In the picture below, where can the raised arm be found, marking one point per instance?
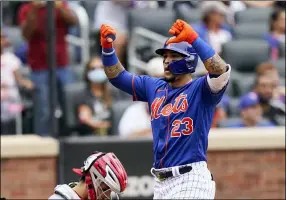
(28, 21)
(110, 60)
(116, 73)
(114, 70)
(218, 70)
(215, 65)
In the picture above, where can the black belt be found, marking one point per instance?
(164, 175)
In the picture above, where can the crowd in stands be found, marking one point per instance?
(89, 105)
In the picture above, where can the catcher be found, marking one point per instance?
(102, 177)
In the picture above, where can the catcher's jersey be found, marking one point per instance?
(180, 117)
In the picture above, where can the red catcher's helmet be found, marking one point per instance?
(103, 168)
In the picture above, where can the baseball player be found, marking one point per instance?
(181, 109)
(102, 177)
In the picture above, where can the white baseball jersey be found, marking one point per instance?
(64, 192)
(196, 184)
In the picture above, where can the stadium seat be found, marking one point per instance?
(191, 16)
(72, 54)
(117, 94)
(250, 30)
(242, 82)
(282, 49)
(158, 21)
(26, 95)
(78, 71)
(73, 95)
(90, 7)
(253, 15)
(25, 71)
(233, 110)
(281, 66)
(234, 120)
(245, 55)
(14, 36)
(282, 81)
(141, 48)
(232, 88)
(118, 109)
(229, 121)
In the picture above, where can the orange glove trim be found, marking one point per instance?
(182, 32)
(105, 31)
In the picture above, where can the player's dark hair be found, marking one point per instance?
(82, 179)
(273, 17)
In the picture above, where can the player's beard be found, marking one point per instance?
(170, 79)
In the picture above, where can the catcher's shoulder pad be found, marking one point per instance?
(66, 192)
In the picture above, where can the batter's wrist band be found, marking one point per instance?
(109, 57)
(203, 49)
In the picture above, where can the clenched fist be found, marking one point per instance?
(182, 32)
(108, 35)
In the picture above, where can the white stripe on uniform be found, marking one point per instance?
(196, 184)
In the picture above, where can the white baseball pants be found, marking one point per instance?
(196, 184)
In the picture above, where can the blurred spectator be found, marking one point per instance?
(232, 8)
(271, 71)
(178, 4)
(250, 112)
(259, 4)
(276, 33)
(115, 13)
(266, 68)
(136, 119)
(94, 112)
(273, 109)
(75, 51)
(154, 67)
(33, 17)
(236, 6)
(213, 28)
(11, 105)
(21, 52)
(187, 4)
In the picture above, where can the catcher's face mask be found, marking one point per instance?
(105, 192)
(103, 174)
